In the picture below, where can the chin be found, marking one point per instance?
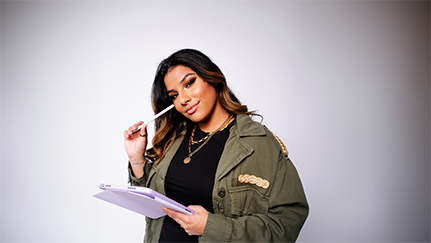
(196, 118)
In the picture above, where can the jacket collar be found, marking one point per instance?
(247, 127)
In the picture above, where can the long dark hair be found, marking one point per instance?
(173, 124)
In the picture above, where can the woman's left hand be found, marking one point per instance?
(193, 224)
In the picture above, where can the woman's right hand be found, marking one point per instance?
(136, 143)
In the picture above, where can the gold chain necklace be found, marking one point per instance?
(201, 140)
(206, 138)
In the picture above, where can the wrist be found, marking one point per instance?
(137, 161)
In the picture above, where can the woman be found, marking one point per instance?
(208, 153)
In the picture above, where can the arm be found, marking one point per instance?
(135, 144)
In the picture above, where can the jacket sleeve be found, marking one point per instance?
(288, 209)
(138, 181)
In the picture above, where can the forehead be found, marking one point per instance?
(177, 74)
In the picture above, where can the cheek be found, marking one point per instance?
(205, 91)
(197, 92)
(178, 107)
(210, 94)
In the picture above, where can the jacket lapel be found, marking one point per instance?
(236, 149)
(162, 167)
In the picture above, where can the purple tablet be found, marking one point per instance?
(141, 200)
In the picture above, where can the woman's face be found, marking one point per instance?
(193, 97)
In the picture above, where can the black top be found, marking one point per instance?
(192, 183)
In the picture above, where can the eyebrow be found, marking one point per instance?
(182, 80)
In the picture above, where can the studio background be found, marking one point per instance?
(344, 84)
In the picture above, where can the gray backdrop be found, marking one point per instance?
(345, 85)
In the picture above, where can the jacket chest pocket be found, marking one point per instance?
(247, 201)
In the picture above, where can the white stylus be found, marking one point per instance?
(155, 117)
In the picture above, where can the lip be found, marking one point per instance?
(192, 109)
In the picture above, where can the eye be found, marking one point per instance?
(190, 83)
(174, 96)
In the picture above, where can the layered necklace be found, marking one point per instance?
(205, 139)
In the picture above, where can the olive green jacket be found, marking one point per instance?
(257, 194)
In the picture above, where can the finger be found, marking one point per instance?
(137, 129)
(143, 131)
(128, 133)
(142, 135)
(132, 129)
(173, 214)
(178, 222)
(195, 207)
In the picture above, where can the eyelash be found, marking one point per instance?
(188, 84)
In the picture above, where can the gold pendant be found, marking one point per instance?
(187, 160)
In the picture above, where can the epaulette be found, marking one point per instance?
(281, 144)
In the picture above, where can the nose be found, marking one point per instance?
(184, 98)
